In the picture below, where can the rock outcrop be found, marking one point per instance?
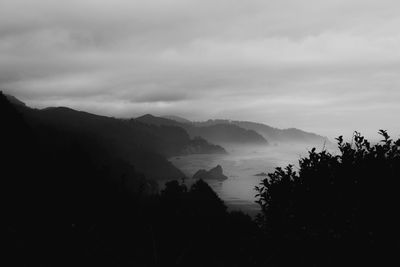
(215, 173)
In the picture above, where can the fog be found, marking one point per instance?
(241, 165)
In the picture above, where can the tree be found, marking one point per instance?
(336, 209)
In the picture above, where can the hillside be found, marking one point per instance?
(227, 133)
(283, 135)
(290, 135)
(143, 145)
(56, 169)
(177, 118)
(194, 144)
(220, 133)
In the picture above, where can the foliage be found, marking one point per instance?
(335, 208)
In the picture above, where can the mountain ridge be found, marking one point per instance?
(270, 133)
(145, 146)
(218, 134)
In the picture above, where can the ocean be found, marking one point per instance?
(241, 165)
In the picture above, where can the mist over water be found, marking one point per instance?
(241, 165)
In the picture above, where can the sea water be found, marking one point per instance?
(241, 165)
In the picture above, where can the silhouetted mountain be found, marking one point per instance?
(54, 171)
(159, 121)
(14, 100)
(222, 133)
(145, 146)
(290, 135)
(196, 145)
(199, 145)
(49, 173)
(227, 133)
(177, 118)
(283, 135)
(270, 133)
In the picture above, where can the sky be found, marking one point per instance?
(327, 66)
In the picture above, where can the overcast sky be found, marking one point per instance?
(328, 66)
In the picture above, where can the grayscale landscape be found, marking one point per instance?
(200, 132)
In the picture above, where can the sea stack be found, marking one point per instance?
(215, 173)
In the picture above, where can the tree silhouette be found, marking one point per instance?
(337, 209)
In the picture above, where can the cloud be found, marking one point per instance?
(318, 65)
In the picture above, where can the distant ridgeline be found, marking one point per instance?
(219, 133)
(240, 132)
(290, 135)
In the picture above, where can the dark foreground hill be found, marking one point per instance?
(221, 133)
(144, 145)
(53, 176)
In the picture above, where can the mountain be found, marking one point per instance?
(219, 133)
(130, 141)
(193, 144)
(272, 134)
(15, 101)
(143, 145)
(159, 121)
(290, 135)
(227, 133)
(177, 118)
(199, 145)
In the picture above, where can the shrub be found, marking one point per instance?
(335, 209)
